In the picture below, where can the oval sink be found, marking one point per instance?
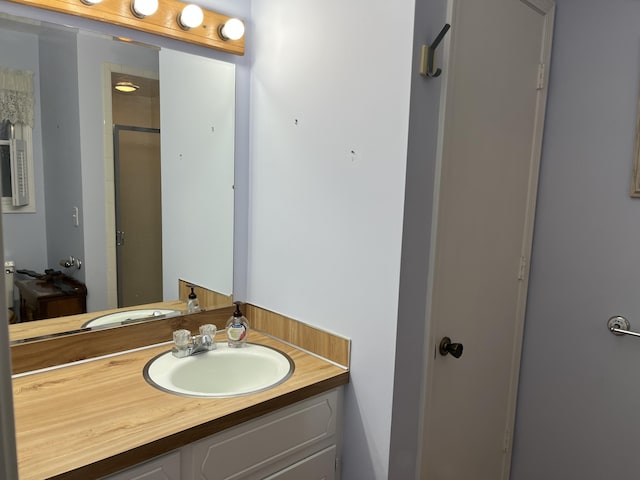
(131, 316)
(223, 372)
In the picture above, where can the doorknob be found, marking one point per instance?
(446, 347)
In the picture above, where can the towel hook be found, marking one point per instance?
(428, 58)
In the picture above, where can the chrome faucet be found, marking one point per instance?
(186, 344)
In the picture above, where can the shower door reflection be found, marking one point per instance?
(138, 215)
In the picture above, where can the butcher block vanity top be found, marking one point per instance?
(42, 328)
(91, 418)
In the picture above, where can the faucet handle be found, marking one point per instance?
(182, 338)
(182, 343)
(209, 330)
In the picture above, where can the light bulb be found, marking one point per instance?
(191, 16)
(233, 29)
(144, 8)
(126, 87)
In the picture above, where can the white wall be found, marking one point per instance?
(579, 391)
(197, 150)
(325, 225)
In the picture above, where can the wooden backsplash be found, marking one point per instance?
(80, 346)
(322, 343)
(207, 299)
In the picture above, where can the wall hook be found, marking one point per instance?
(428, 59)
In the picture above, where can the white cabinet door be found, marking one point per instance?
(166, 467)
(319, 466)
(298, 442)
(266, 445)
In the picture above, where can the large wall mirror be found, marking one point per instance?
(135, 188)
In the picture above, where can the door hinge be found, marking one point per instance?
(507, 441)
(540, 82)
(522, 268)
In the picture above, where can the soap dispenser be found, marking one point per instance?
(237, 328)
(193, 305)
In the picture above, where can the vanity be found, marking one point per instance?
(272, 446)
(40, 299)
(99, 417)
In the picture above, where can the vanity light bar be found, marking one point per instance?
(169, 18)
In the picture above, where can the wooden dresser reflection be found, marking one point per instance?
(40, 299)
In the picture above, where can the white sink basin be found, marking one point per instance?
(128, 316)
(223, 372)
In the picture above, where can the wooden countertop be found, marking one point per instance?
(51, 326)
(90, 419)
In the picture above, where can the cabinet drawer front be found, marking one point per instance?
(319, 466)
(166, 467)
(253, 446)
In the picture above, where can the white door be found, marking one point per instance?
(493, 121)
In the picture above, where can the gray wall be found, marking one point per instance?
(409, 376)
(61, 146)
(24, 233)
(579, 392)
(8, 464)
(93, 51)
(240, 8)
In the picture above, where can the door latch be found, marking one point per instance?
(447, 347)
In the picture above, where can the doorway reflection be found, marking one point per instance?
(137, 188)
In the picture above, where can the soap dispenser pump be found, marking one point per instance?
(237, 328)
(193, 305)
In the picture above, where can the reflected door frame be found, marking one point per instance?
(110, 215)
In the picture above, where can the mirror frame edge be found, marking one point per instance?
(9, 456)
